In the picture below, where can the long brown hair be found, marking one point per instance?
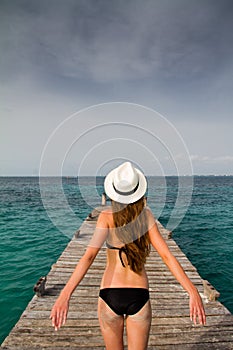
(131, 226)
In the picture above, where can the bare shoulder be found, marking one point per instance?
(106, 213)
(106, 216)
(107, 210)
(149, 214)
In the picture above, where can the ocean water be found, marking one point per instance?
(30, 242)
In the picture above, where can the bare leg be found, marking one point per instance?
(112, 326)
(138, 328)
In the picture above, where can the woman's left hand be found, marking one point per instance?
(197, 309)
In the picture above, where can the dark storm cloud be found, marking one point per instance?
(174, 56)
(106, 41)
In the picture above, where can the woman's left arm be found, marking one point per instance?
(195, 303)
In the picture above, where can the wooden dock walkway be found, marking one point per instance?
(171, 326)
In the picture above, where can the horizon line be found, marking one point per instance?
(147, 175)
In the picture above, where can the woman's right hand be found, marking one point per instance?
(59, 312)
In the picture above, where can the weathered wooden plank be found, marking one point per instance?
(158, 327)
(184, 338)
(52, 347)
(160, 311)
(175, 336)
(163, 323)
(92, 338)
(62, 340)
(197, 346)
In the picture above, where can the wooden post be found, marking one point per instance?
(169, 234)
(209, 291)
(39, 287)
(103, 199)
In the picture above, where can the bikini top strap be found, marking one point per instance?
(121, 250)
(110, 246)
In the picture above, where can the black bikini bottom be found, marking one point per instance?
(125, 301)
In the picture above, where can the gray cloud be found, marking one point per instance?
(109, 41)
(58, 56)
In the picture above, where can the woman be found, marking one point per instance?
(128, 229)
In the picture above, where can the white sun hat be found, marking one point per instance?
(125, 184)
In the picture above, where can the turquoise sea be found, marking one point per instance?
(30, 242)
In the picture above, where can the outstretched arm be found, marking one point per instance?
(195, 304)
(61, 306)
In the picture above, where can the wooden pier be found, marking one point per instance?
(171, 326)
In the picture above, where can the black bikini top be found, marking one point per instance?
(121, 250)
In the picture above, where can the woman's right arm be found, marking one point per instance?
(61, 306)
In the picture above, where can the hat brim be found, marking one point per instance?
(112, 194)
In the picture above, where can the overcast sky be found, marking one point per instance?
(60, 57)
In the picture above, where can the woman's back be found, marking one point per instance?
(118, 273)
